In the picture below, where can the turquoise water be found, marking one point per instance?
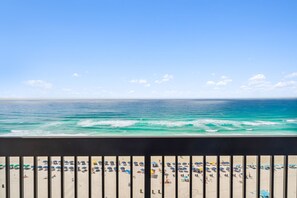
(148, 117)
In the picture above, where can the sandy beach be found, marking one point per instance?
(156, 175)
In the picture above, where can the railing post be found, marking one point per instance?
(75, 177)
(62, 176)
(49, 177)
(191, 176)
(163, 173)
(258, 175)
(218, 175)
(117, 176)
(204, 176)
(131, 176)
(90, 176)
(244, 176)
(147, 180)
(21, 161)
(286, 176)
(272, 175)
(36, 177)
(7, 174)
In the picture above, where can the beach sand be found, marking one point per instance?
(156, 170)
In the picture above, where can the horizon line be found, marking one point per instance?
(231, 98)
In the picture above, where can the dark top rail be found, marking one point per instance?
(133, 146)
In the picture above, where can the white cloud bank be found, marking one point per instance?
(259, 82)
(292, 75)
(75, 75)
(284, 84)
(39, 84)
(141, 82)
(222, 82)
(257, 78)
(165, 78)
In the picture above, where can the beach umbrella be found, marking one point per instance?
(264, 194)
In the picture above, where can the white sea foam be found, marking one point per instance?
(214, 122)
(260, 123)
(207, 123)
(39, 133)
(52, 124)
(170, 123)
(25, 133)
(291, 120)
(211, 130)
(111, 123)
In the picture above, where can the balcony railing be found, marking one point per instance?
(207, 167)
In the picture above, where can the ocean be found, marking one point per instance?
(188, 117)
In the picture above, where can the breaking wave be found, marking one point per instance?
(291, 120)
(205, 124)
(111, 123)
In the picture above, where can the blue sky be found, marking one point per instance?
(148, 49)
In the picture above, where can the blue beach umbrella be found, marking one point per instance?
(264, 194)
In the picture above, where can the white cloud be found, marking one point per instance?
(245, 87)
(75, 75)
(39, 84)
(257, 81)
(165, 78)
(141, 82)
(131, 92)
(284, 84)
(210, 82)
(292, 75)
(257, 77)
(222, 82)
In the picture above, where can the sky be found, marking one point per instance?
(148, 49)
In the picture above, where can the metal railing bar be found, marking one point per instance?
(286, 176)
(117, 176)
(131, 176)
(258, 175)
(191, 176)
(204, 176)
(218, 175)
(244, 176)
(147, 180)
(163, 173)
(90, 176)
(62, 176)
(7, 174)
(231, 176)
(21, 176)
(272, 176)
(103, 176)
(176, 176)
(43, 146)
(49, 177)
(36, 177)
(75, 176)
